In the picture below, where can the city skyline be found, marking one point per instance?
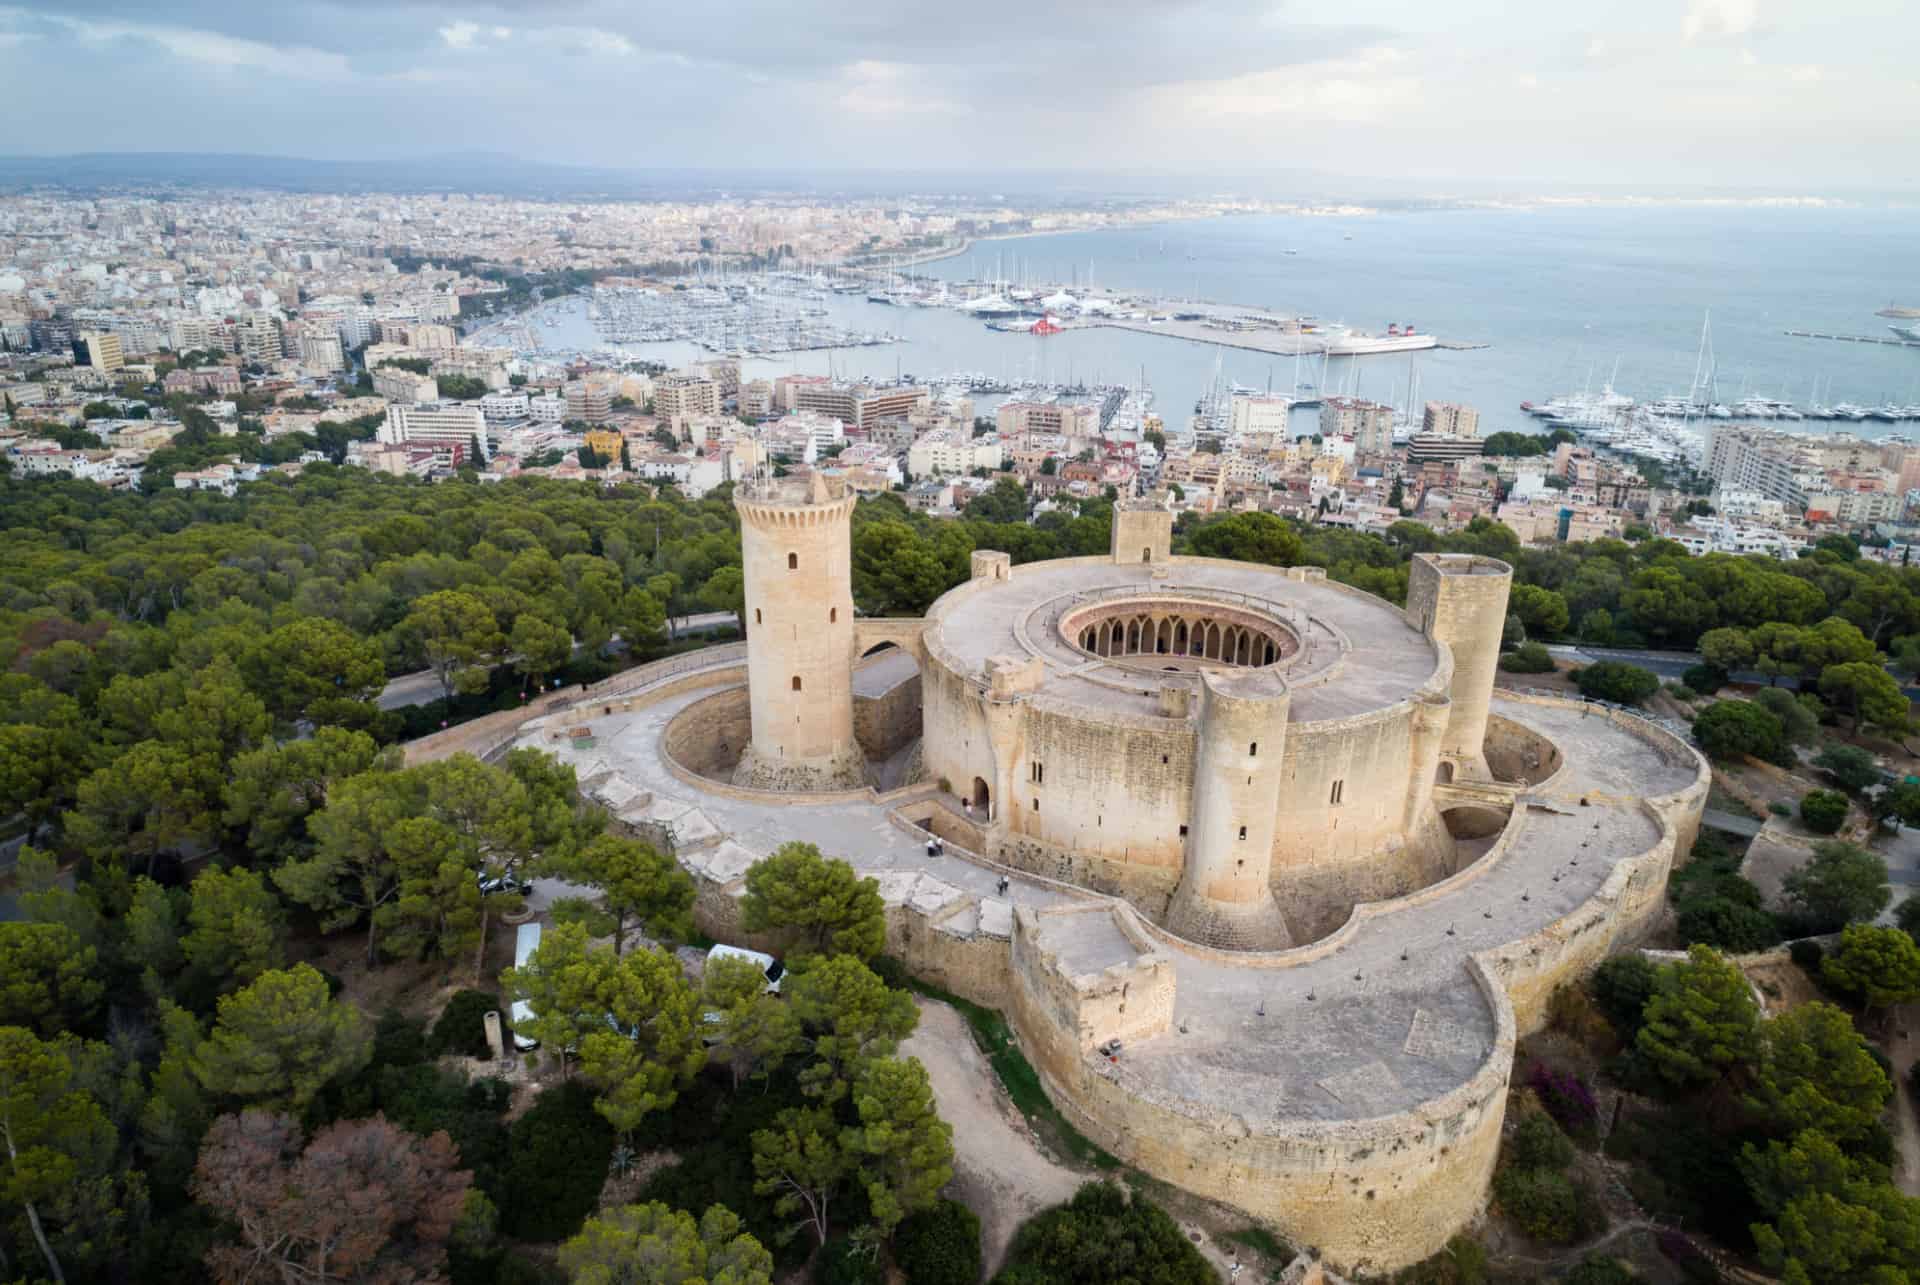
(1744, 95)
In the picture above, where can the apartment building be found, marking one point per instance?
(1068, 419)
(403, 386)
(950, 453)
(1450, 419)
(98, 350)
(857, 406)
(1369, 424)
(1257, 413)
(435, 424)
(678, 398)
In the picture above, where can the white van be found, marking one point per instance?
(770, 966)
(525, 943)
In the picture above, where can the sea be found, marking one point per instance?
(1566, 298)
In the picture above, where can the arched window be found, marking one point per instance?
(796, 682)
(793, 562)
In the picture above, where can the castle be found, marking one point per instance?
(1266, 875)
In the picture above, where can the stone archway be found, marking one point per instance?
(982, 798)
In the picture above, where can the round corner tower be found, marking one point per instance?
(796, 560)
(1460, 599)
(1225, 897)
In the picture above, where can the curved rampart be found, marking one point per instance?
(491, 733)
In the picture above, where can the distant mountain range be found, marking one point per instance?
(495, 173)
(500, 174)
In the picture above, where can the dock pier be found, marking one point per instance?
(1853, 339)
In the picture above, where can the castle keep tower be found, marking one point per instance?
(1224, 897)
(1460, 599)
(796, 555)
(1142, 532)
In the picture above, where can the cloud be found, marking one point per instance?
(1714, 19)
(1371, 87)
(460, 34)
(213, 48)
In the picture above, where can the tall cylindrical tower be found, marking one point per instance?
(1225, 897)
(797, 561)
(1460, 599)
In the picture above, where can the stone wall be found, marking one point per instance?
(1372, 1195)
(1516, 753)
(708, 735)
(886, 724)
(571, 706)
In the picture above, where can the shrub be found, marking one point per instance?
(1727, 729)
(462, 1025)
(398, 1040)
(1102, 1235)
(1849, 767)
(1726, 923)
(1528, 658)
(939, 1246)
(1705, 679)
(1547, 1206)
(424, 1099)
(1617, 681)
(1538, 1143)
(1809, 955)
(844, 1261)
(1621, 987)
(557, 1164)
(1779, 809)
(1566, 1098)
(1823, 811)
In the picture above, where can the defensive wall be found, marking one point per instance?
(1373, 1192)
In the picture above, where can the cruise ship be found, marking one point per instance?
(1341, 342)
(1910, 334)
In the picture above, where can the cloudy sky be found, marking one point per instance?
(1771, 95)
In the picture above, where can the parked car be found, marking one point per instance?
(771, 967)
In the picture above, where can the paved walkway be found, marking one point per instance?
(1730, 822)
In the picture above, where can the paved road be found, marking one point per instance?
(1673, 664)
(1731, 823)
(423, 688)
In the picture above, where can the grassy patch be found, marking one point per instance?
(1263, 1242)
(1022, 1082)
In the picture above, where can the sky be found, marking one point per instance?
(1752, 95)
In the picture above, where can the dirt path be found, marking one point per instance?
(998, 1171)
(1902, 1048)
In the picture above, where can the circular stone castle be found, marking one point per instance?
(1266, 875)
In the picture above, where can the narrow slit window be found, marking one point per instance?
(756, 615)
(1339, 790)
(833, 615)
(1038, 771)
(1243, 832)
(1253, 750)
(793, 562)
